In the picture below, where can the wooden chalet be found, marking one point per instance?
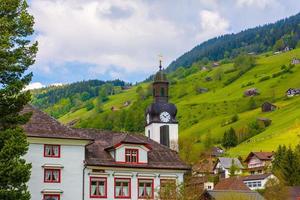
(268, 107)
(251, 92)
(259, 162)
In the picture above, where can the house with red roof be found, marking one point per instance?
(259, 162)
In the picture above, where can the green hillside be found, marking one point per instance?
(204, 117)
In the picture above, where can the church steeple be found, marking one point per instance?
(161, 124)
(160, 86)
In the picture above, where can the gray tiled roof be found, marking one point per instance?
(159, 156)
(227, 194)
(43, 125)
(226, 162)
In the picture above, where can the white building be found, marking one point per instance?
(86, 164)
(258, 181)
(223, 166)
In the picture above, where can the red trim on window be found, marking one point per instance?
(131, 152)
(51, 156)
(129, 188)
(52, 181)
(51, 195)
(152, 185)
(105, 185)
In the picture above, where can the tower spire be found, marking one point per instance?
(160, 62)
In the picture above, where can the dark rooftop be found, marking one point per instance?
(233, 183)
(97, 152)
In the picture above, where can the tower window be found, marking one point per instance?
(164, 135)
(162, 91)
(149, 135)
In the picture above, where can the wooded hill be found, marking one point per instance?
(212, 98)
(285, 32)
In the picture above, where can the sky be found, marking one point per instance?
(110, 39)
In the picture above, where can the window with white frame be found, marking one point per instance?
(145, 188)
(131, 155)
(122, 188)
(98, 187)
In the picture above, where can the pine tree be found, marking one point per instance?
(230, 139)
(16, 55)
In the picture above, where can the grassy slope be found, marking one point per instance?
(202, 113)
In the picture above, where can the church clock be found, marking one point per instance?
(164, 117)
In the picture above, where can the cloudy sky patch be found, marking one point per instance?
(108, 39)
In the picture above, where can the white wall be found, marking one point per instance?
(261, 181)
(71, 159)
(134, 175)
(120, 152)
(154, 129)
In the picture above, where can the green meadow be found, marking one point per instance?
(202, 114)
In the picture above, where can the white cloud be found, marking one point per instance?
(34, 85)
(258, 3)
(104, 33)
(212, 24)
(124, 37)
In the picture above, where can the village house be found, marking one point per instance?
(293, 193)
(230, 188)
(268, 107)
(205, 167)
(295, 61)
(223, 165)
(216, 151)
(292, 92)
(126, 103)
(215, 64)
(251, 92)
(259, 162)
(257, 181)
(87, 164)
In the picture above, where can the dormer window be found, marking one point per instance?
(52, 151)
(131, 155)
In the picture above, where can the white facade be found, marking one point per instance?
(70, 162)
(133, 174)
(257, 184)
(119, 153)
(225, 171)
(73, 171)
(153, 132)
(209, 186)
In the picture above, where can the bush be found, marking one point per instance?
(264, 78)
(234, 118)
(230, 71)
(89, 106)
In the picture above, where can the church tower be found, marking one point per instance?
(161, 123)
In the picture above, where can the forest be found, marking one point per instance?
(275, 36)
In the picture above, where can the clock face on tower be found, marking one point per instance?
(165, 117)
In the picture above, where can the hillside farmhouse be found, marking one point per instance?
(268, 107)
(292, 92)
(295, 61)
(73, 164)
(251, 92)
